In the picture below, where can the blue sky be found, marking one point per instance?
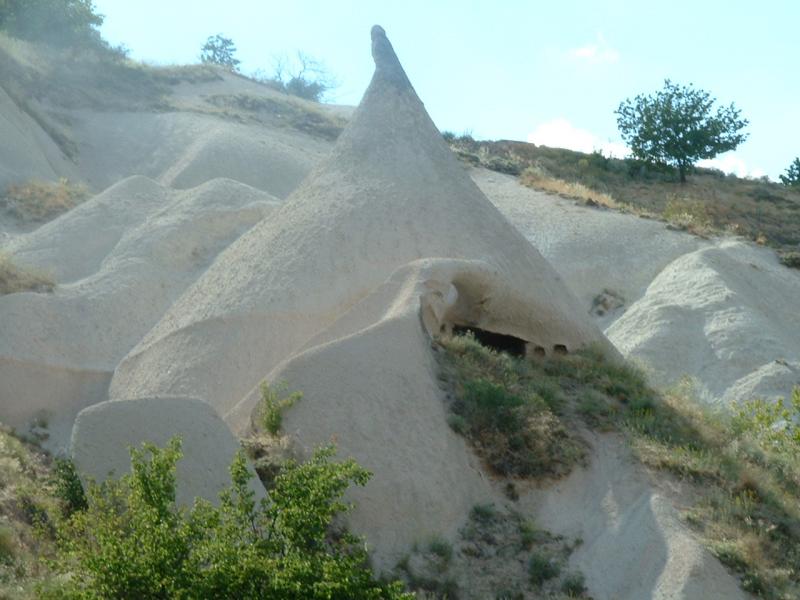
(547, 72)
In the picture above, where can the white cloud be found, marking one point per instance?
(731, 163)
(560, 133)
(599, 52)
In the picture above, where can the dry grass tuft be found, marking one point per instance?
(38, 201)
(14, 279)
(685, 212)
(709, 203)
(282, 110)
(538, 180)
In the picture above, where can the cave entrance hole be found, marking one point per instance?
(496, 341)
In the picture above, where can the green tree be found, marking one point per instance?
(792, 177)
(58, 22)
(133, 542)
(677, 126)
(219, 50)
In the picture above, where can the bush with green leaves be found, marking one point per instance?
(792, 176)
(771, 423)
(219, 50)
(68, 487)
(676, 126)
(274, 401)
(133, 541)
(57, 22)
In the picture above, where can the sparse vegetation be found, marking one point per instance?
(744, 468)
(497, 554)
(685, 213)
(15, 278)
(27, 508)
(281, 112)
(301, 76)
(515, 420)
(753, 208)
(38, 201)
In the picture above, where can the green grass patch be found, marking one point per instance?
(515, 416)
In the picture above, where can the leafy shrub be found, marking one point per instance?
(774, 424)
(441, 548)
(68, 487)
(42, 201)
(574, 585)
(14, 278)
(273, 403)
(790, 259)
(132, 541)
(541, 568)
(483, 513)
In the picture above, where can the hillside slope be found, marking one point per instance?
(187, 260)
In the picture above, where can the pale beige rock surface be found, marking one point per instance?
(337, 292)
(124, 257)
(104, 433)
(313, 288)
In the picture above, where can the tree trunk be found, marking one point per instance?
(682, 171)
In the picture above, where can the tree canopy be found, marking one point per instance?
(677, 126)
(792, 176)
(219, 50)
(57, 22)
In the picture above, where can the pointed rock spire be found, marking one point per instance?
(387, 65)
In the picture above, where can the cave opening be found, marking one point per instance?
(496, 341)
